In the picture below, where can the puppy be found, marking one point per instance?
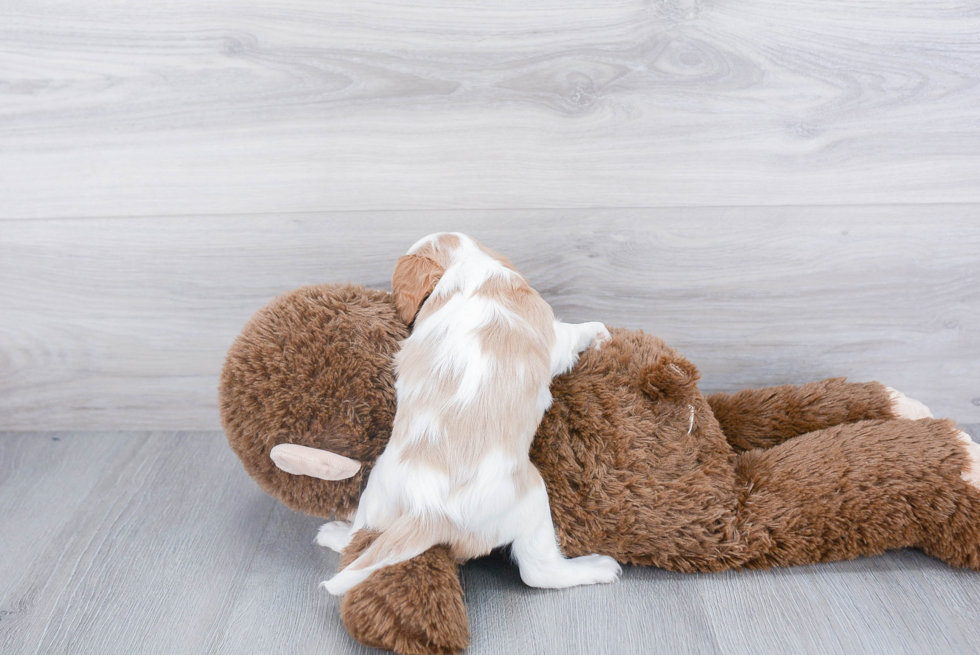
(472, 384)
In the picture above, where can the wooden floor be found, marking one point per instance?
(158, 542)
(785, 190)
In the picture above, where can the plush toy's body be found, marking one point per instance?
(638, 464)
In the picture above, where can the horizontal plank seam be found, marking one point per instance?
(481, 209)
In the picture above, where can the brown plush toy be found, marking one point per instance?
(638, 464)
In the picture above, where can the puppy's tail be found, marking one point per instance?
(407, 537)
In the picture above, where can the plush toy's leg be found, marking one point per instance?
(859, 489)
(413, 607)
(537, 555)
(763, 418)
(957, 540)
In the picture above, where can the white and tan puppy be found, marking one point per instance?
(472, 384)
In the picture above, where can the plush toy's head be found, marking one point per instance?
(313, 368)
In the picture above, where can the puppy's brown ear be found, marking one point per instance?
(414, 279)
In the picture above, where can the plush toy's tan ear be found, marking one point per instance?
(316, 463)
(414, 279)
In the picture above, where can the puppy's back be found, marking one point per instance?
(473, 377)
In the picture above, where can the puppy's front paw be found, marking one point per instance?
(601, 336)
(905, 407)
(334, 535)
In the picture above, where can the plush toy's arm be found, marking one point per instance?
(763, 418)
(413, 608)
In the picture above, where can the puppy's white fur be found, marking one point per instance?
(472, 384)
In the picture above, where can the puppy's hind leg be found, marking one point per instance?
(335, 535)
(406, 538)
(539, 559)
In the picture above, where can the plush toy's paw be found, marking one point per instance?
(334, 535)
(588, 569)
(970, 474)
(905, 407)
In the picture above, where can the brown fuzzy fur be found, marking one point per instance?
(314, 368)
(763, 418)
(638, 464)
(424, 617)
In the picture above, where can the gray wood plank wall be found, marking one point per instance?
(784, 190)
(207, 106)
